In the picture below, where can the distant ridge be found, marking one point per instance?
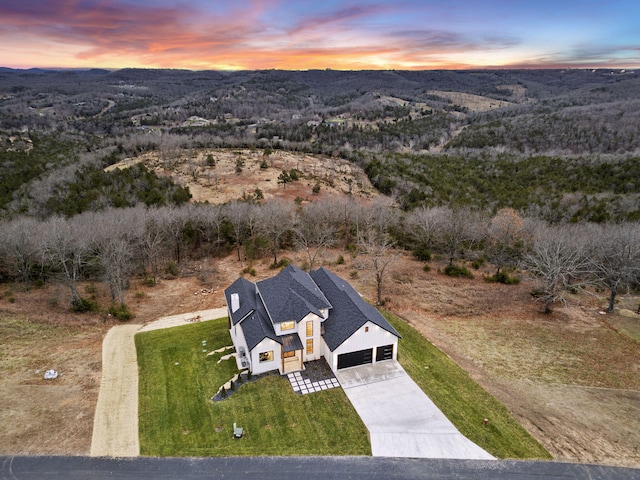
(43, 71)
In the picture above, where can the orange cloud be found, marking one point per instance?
(259, 34)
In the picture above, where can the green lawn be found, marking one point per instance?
(462, 400)
(177, 417)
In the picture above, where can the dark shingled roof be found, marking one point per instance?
(291, 295)
(349, 312)
(291, 342)
(246, 290)
(257, 327)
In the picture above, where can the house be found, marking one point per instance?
(294, 317)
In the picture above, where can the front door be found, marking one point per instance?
(292, 361)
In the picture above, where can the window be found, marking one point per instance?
(266, 356)
(310, 346)
(366, 329)
(288, 354)
(309, 328)
(287, 325)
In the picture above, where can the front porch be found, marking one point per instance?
(291, 354)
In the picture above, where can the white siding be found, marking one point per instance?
(361, 340)
(329, 357)
(237, 336)
(302, 333)
(264, 346)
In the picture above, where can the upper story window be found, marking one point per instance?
(309, 328)
(287, 325)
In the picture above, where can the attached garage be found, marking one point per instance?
(352, 359)
(384, 353)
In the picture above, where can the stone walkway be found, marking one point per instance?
(316, 376)
(304, 385)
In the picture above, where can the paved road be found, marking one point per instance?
(401, 419)
(307, 468)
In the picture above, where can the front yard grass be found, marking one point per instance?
(177, 417)
(465, 403)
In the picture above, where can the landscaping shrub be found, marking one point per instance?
(422, 253)
(121, 312)
(250, 270)
(477, 263)
(283, 262)
(502, 277)
(171, 269)
(85, 305)
(457, 271)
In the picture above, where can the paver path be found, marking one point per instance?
(115, 426)
(401, 419)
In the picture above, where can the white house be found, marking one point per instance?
(281, 322)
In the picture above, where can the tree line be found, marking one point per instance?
(115, 245)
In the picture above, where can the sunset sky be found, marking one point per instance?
(349, 35)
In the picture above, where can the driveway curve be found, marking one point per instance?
(115, 425)
(401, 419)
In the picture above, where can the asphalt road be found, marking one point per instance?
(305, 468)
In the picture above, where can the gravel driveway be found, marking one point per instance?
(115, 426)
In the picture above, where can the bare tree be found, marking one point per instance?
(67, 248)
(374, 239)
(314, 230)
(505, 244)
(616, 257)
(211, 220)
(19, 247)
(559, 259)
(460, 230)
(237, 213)
(423, 223)
(275, 220)
(152, 242)
(379, 247)
(174, 219)
(116, 233)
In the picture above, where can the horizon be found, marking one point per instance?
(475, 69)
(340, 35)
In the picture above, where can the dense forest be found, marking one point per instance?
(484, 166)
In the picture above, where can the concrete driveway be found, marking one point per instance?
(402, 421)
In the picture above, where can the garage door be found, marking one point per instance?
(384, 353)
(361, 357)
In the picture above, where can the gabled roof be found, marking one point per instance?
(257, 326)
(349, 312)
(246, 291)
(291, 295)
